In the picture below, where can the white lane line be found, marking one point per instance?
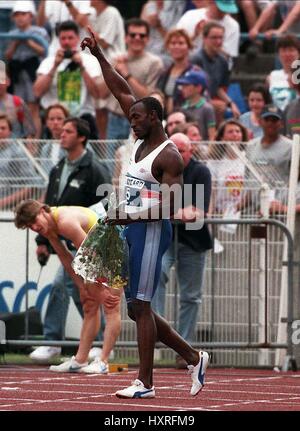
(81, 400)
(253, 402)
(157, 387)
(9, 389)
(99, 403)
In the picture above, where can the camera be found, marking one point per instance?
(43, 259)
(68, 53)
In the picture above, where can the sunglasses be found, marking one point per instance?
(141, 35)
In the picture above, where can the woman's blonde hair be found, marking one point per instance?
(178, 32)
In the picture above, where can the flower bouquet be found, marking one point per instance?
(101, 256)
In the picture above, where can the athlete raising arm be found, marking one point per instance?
(155, 162)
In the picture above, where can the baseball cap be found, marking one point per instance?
(194, 77)
(271, 111)
(227, 6)
(24, 6)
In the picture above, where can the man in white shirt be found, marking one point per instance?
(54, 12)
(194, 20)
(108, 26)
(69, 77)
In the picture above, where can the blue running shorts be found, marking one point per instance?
(147, 242)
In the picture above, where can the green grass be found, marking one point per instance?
(22, 359)
(12, 358)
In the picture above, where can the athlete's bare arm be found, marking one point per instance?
(168, 166)
(171, 164)
(115, 82)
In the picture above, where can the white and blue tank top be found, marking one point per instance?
(142, 190)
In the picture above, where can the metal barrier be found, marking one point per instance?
(261, 36)
(259, 231)
(240, 309)
(257, 335)
(228, 278)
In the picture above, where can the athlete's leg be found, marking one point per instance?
(91, 300)
(167, 335)
(112, 329)
(146, 338)
(147, 243)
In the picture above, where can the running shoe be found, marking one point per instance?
(198, 373)
(136, 390)
(44, 353)
(94, 353)
(96, 367)
(70, 366)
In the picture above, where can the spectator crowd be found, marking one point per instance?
(185, 54)
(164, 48)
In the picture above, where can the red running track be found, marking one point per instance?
(34, 388)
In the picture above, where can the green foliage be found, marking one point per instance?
(100, 257)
